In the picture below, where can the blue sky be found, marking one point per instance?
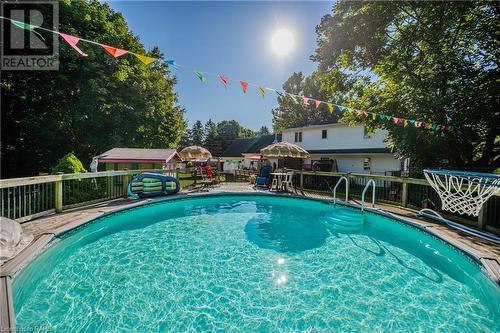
(230, 38)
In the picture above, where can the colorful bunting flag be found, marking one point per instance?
(381, 116)
(317, 103)
(262, 91)
(306, 101)
(72, 41)
(330, 107)
(26, 26)
(295, 98)
(172, 63)
(405, 123)
(200, 75)
(359, 112)
(114, 51)
(244, 86)
(224, 80)
(340, 107)
(145, 59)
(374, 116)
(395, 120)
(365, 113)
(280, 94)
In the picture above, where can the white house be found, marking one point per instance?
(337, 146)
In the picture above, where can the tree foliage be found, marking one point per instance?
(69, 163)
(197, 134)
(90, 104)
(432, 61)
(291, 113)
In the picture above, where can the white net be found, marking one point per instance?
(463, 192)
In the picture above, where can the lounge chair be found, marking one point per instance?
(264, 175)
(207, 181)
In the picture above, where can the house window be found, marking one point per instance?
(324, 134)
(366, 134)
(367, 163)
(298, 136)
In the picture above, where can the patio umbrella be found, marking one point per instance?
(284, 149)
(194, 152)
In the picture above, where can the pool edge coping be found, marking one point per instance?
(9, 270)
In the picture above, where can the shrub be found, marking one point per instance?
(69, 163)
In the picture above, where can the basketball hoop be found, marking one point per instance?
(463, 192)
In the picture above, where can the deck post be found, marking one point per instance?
(404, 193)
(58, 195)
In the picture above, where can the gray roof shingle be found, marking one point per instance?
(137, 154)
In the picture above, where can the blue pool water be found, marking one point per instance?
(253, 264)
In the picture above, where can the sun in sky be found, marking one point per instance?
(282, 42)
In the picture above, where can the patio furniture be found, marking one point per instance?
(279, 179)
(288, 183)
(264, 175)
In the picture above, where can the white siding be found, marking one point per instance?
(339, 136)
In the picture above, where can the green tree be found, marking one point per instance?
(186, 139)
(292, 113)
(436, 62)
(263, 130)
(69, 163)
(91, 103)
(197, 134)
(211, 137)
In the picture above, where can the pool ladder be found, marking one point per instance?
(370, 182)
(346, 189)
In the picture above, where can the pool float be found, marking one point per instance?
(148, 185)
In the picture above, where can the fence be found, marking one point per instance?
(26, 198)
(406, 192)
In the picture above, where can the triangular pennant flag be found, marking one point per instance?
(349, 109)
(26, 26)
(396, 120)
(145, 59)
(317, 103)
(381, 116)
(413, 122)
(295, 98)
(374, 116)
(330, 107)
(359, 112)
(365, 113)
(306, 101)
(405, 122)
(114, 51)
(244, 86)
(341, 108)
(224, 80)
(419, 124)
(172, 63)
(72, 41)
(262, 91)
(280, 94)
(200, 75)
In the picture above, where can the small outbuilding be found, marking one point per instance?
(138, 159)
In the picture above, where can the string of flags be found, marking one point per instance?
(225, 80)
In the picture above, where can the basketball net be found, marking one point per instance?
(461, 192)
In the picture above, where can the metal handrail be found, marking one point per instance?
(346, 189)
(370, 182)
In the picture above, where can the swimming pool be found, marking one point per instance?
(253, 263)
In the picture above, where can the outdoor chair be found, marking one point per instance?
(264, 175)
(206, 181)
(287, 185)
